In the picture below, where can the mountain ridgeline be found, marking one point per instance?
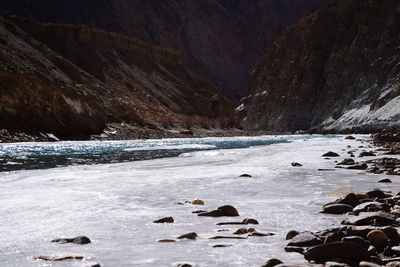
(72, 80)
(336, 70)
(220, 40)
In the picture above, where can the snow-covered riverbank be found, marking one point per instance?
(115, 204)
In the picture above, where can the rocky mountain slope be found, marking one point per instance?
(72, 80)
(336, 70)
(221, 40)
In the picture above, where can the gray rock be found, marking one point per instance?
(294, 249)
(371, 218)
(80, 240)
(368, 205)
(305, 239)
(164, 220)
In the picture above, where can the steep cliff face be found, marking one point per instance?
(338, 69)
(71, 80)
(220, 40)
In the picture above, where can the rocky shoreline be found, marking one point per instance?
(369, 236)
(125, 131)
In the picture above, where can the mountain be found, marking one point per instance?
(220, 40)
(72, 80)
(335, 70)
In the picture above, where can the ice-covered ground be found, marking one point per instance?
(115, 204)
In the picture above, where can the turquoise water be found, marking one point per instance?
(24, 156)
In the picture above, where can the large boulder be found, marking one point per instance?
(330, 154)
(349, 253)
(226, 210)
(378, 239)
(370, 206)
(337, 209)
(305, 239)
(378, 218)
(363, 231)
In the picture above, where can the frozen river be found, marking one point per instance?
(114, 204)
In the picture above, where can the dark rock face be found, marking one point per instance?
(74, 80)
(335, 70)
(218, 39)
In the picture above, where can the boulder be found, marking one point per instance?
(337, 209)
(241, 231)
(369, 206)
(80, 240)
(363, 231)
(195, 202)
(367, 154)
(386, 180)
(291, 234)
(191, 235)
(294, 249)
(330, 154)
(255, 233)
(164, 220)
(378, 218)
(358, 167)
(250, 221)
(226, 210)
(349, 253)
(378, 239)
(296, 164)
(357, 240)
(305, 239)
(221, 246)
(347, 162)
(350, 199)
(349, 137)
(271, 263)
(245, 175)
(376, 193)
(183, 265)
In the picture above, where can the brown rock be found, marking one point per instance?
(386, 180)
(349, 137)
(378, 239)
(294, 249)
(195, 202)
(226, 210)
(393, 264)
(191, 235)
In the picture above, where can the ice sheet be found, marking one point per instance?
(115, 204)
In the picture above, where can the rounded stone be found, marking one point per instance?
(378, 238)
